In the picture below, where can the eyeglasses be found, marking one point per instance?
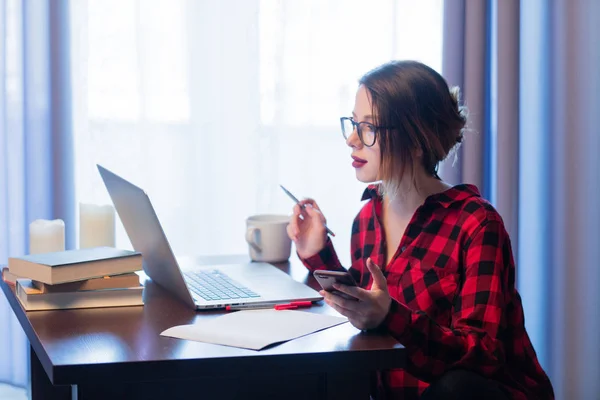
(367, 132)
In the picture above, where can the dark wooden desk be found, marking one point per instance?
(118, 353)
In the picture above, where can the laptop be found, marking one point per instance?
(201, 287)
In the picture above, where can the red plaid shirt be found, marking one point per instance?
(454, 304)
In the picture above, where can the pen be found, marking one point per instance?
(289, 306)
(303, 206)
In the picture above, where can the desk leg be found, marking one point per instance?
(40, 386)
(347, 386)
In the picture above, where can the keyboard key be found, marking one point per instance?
(213, 285)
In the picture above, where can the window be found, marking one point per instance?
(209, 110)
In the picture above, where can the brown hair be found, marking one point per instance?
(418, 113)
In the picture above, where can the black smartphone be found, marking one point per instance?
(327, 278)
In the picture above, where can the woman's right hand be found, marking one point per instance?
(307, 229)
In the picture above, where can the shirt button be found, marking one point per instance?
(402, 249)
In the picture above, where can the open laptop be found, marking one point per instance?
(203, 287)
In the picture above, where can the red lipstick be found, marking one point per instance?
(358, 162)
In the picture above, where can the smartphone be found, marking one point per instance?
(327, 278)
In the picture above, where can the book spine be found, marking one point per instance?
(116, 282)
(62, 301)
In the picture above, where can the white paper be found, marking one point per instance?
(255, 329)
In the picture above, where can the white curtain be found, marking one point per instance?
(209, 105)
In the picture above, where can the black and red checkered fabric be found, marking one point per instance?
(455, 304)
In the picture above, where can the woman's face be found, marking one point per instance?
(365, 160)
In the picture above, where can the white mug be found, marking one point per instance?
(267, 238)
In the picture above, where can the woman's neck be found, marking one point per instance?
(413, 194)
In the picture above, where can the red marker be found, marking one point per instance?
(289, 306)
(285, 307)
(301, 303)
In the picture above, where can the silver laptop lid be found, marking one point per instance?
(146, 234)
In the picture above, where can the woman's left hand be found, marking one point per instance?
(372, 306)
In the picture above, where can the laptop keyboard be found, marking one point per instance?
(214, 285)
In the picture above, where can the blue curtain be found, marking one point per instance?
(534, 260)
(560, 188)
(36, 151)
(530, 73)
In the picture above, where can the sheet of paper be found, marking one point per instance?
(255, 329)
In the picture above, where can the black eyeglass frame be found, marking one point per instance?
(357, 126)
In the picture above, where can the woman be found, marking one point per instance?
(445, 289)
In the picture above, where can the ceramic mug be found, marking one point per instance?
(267, 238)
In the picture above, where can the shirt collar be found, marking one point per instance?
(446, 198)
(371, 192)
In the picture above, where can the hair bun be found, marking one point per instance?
(460, 110)
(455, 94)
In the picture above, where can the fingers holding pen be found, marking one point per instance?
(293, 228)
(312, 202)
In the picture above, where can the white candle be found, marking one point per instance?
(96, 225)
(46, 236)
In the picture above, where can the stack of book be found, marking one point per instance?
(85, 278)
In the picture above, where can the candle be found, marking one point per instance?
(46, 236)
(96, 225)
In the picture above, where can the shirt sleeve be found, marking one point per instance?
(474, 338)
(325, 259)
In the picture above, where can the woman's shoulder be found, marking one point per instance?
(464, 205)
